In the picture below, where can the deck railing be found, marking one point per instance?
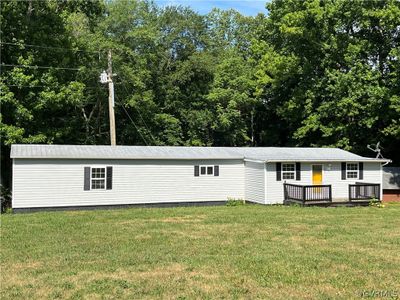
(304, 193)
(364, 191)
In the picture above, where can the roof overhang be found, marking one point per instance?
(378, 160)
(128, 158)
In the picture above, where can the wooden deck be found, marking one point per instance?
(359, 194)
(333, 203)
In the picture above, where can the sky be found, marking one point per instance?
(245, 7)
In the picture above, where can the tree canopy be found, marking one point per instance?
(310, 73)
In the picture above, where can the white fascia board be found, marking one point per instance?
(254, 160)
(331, 160)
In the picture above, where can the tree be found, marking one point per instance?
(40, 104)
(328, 75)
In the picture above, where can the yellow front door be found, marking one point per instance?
(317, 174)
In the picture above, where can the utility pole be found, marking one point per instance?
(107, 78)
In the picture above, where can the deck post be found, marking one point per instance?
(330, 192)
(304, 194)
(284, 192)
(349, 192)
(379, 192)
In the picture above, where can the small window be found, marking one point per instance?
(288, 171)
(209, 170)
(352, 171)
(98, 178)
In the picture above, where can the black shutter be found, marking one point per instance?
(278, 171)
(298, 171)
(86, 180)
(361, 170)
(109, 178)
(196, 171)
(343, 171)
(216, 170)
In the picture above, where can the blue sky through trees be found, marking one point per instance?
(245, 7)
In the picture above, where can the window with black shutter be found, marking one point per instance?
(97, 178)
(206, 170)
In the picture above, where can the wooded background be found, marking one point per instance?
(310, 73)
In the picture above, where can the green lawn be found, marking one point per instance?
(247, 251)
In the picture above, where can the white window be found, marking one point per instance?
(352, 170)
(206, 170)
(288, 171)
(98, 178)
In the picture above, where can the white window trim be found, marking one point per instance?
(206, 166)
(105, 178)
(294, 171)
(357, 171)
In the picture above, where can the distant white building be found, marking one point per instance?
(71, 176)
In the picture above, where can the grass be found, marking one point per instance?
(246, 251)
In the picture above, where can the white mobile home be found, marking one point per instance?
(71, 176)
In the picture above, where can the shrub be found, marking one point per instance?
(376, 203)
(5, 196)
(235, 202)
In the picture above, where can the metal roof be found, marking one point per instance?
(178, 152)
(121, 152)
(301, 154)
(391, 178)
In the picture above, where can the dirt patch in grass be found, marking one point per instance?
(157, 273)
(30, 265)
(128, 222)
(170, 279)
(16, 273)
(191, 234)
(182, 219)
(142, 237)
(177, 220)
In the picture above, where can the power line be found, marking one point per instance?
(39, 67)
(49, 47)
(144, 122)
(45, 86)
(137, 129)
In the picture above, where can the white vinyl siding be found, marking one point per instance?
(331, 175)
(255, 182)
(48, 183)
